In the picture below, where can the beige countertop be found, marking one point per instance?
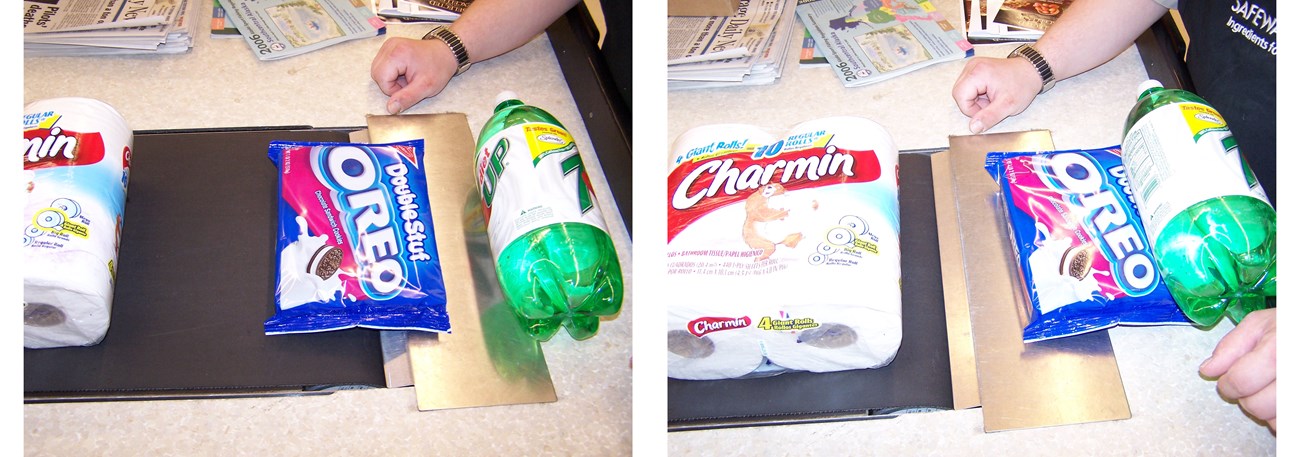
(220, 84)
(1174, 410)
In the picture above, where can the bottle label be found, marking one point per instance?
(1179, 155)
(529, 176)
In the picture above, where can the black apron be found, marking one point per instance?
(1232, 60)
(617, 47)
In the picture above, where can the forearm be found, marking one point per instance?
(489, 28)
(1091, 32)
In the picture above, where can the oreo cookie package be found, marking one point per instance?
(1079, 243)
(355, 242)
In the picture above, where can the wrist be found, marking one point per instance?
(452, 43)
(441, 57)
(1037, 63)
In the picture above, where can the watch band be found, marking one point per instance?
(1028, 52)
(445, 35)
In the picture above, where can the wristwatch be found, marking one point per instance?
(445, 35)
(1028, 52)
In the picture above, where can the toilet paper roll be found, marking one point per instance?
(712, 348)
(68, 309)
(844, 338)
(76, 160)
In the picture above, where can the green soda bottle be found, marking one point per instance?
(555, 259)
(1213, 231)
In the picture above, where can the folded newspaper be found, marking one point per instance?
(748, 48)
(1037, 15)
(982, 28)
(276, 29)
(867, 41)
(109, 27)
(421, 10)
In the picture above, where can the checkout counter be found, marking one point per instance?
(219, 84)
(1173, 410)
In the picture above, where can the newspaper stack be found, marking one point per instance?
(867, 41)
(275, 29)
(745, 49)
(421, 10)
(108, 27)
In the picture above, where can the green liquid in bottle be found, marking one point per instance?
(564, 273)
(1216, 249)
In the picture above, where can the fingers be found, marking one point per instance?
(990, 90)
(1239, 341)
(415, 90)
(1252, 371)
(1245, 361)
(387, 68)
(997, 110)
(1262, 405)
(409, 71)
(969, 89)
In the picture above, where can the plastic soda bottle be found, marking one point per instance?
(1208, 221)
(555, 259)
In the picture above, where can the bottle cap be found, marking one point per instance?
(1148, 85)
(506, 95)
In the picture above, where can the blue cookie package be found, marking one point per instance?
(355, 242)
(1079, 243)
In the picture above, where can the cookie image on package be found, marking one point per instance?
(309, 269)
(1076, 262)
(325, 261)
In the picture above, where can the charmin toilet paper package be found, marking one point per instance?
(1079, 242)
(76, 161)
(783, 251)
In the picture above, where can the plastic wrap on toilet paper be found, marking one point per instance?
(692, 354)
(356, 241)
(76, 161)
(1079, 243)
(784, 249)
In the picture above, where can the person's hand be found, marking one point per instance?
(990, 89)
(408, 71)
(1245, 361)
